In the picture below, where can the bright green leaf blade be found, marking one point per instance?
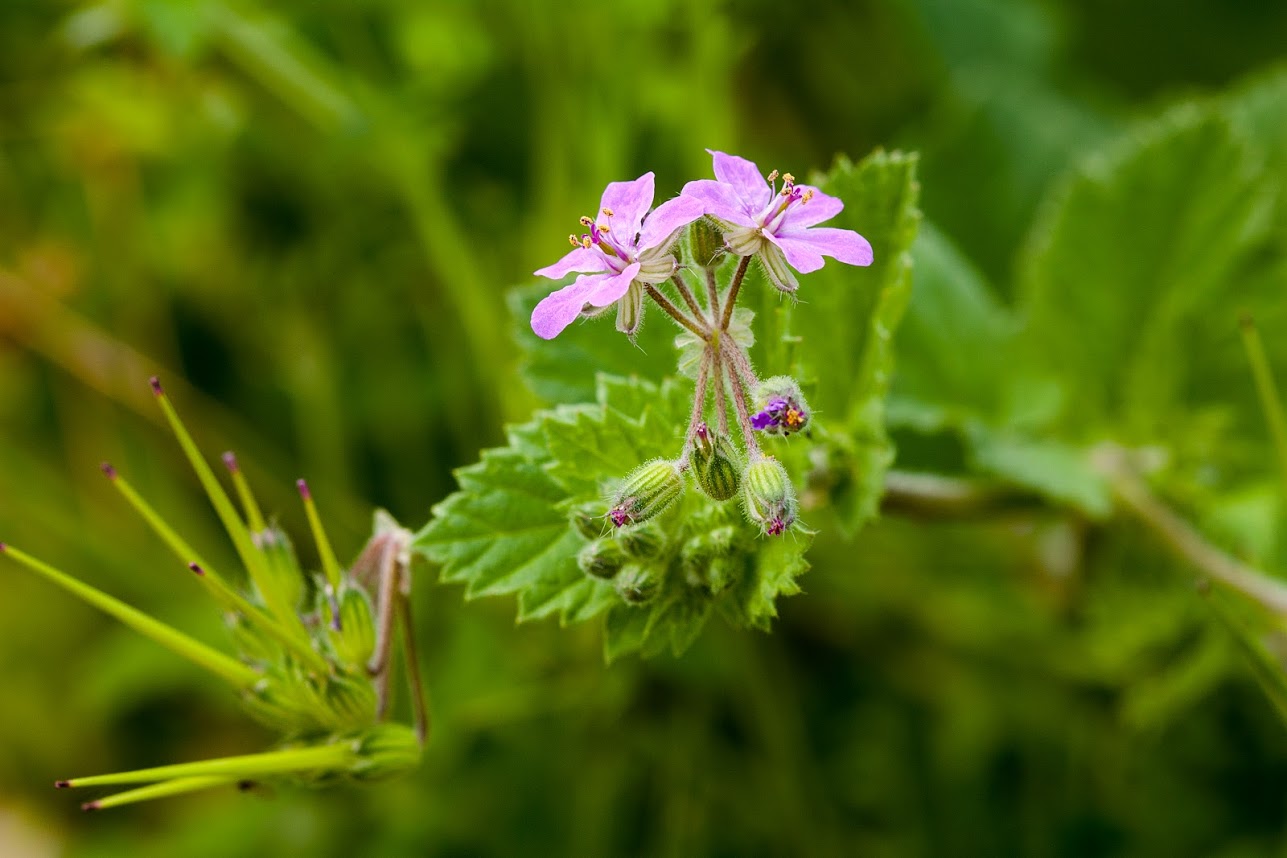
(1142, 248)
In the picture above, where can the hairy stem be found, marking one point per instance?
(721, 396)
(733, 289)
(689, 298)
(675, 313)
(699, 404)
(712, 293)
(740, 362)
(744, 416)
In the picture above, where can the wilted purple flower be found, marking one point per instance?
(779, 415)
(780, 226)
(622, 251)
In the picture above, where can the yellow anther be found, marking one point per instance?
(808, 195)
(608, 212)
(585, 242)
(794, 418)
(573, 240)
(586, 222)
(773, 177)
(604, 229)
(788, 178)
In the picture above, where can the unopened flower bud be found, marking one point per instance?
(637, 584)
(602, 558)
(717, 464)
(705, 243)
(385, 750)
(587, 519)
(646, 492)
(641, 542)
(769, 496)
(354, 640)
(780, 406)
(283, 584)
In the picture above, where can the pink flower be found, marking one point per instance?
(778, 226)
(622, 251)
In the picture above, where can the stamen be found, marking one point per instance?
(788, 179)
(572, 239)
(808, 195)
(773, 177)
(608, 212)
(587, 221)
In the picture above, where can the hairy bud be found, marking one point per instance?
(643, 542)
(587, 519)
(780, 407)
(637, 585)
(354, 640)
(705, 243)
(646, 493)
(283, 585)
(717, 464)
(769, 496)
(602, 558)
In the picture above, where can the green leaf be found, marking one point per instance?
(956, 344)
(1138, 261)
(848, 316)
(563, 369)
(508, 531)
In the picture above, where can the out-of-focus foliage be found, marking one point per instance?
(307, 217)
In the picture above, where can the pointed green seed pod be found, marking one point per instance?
(602, 558)
(646, 493)
(769, 497)
(283, 581)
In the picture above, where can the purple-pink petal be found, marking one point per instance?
(721, 201)
(560, 309)
(799, 251)
(763, 420)
(744, 177)
(844, 245)
(820, 207)
(581, 259)
(668, 217)
(628, 202)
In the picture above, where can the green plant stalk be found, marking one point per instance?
(177, 786)
(254, 517)
(1267, 390)
(330, 566)
(335, 757)
(225, 666)
(250, 556)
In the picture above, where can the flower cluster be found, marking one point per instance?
(628, 252)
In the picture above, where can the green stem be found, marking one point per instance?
(330, 566)
(743, 412)
(335, 757)
(1185, 541)
(721, 396)
(699, 405)
(674, 312)
(1270, 404)
(712, 293)
(172, 639)
(733, 289)
(689, 299)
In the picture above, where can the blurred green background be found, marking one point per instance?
(305, 216)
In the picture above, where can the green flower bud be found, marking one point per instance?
(637, 585)
(769, 496)
(646, 492)
(587, 519)
(602, 558)
(283, 584)
(705, 243)
(354, 640)
(385, 750)
(717, 464)
(642, 542)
